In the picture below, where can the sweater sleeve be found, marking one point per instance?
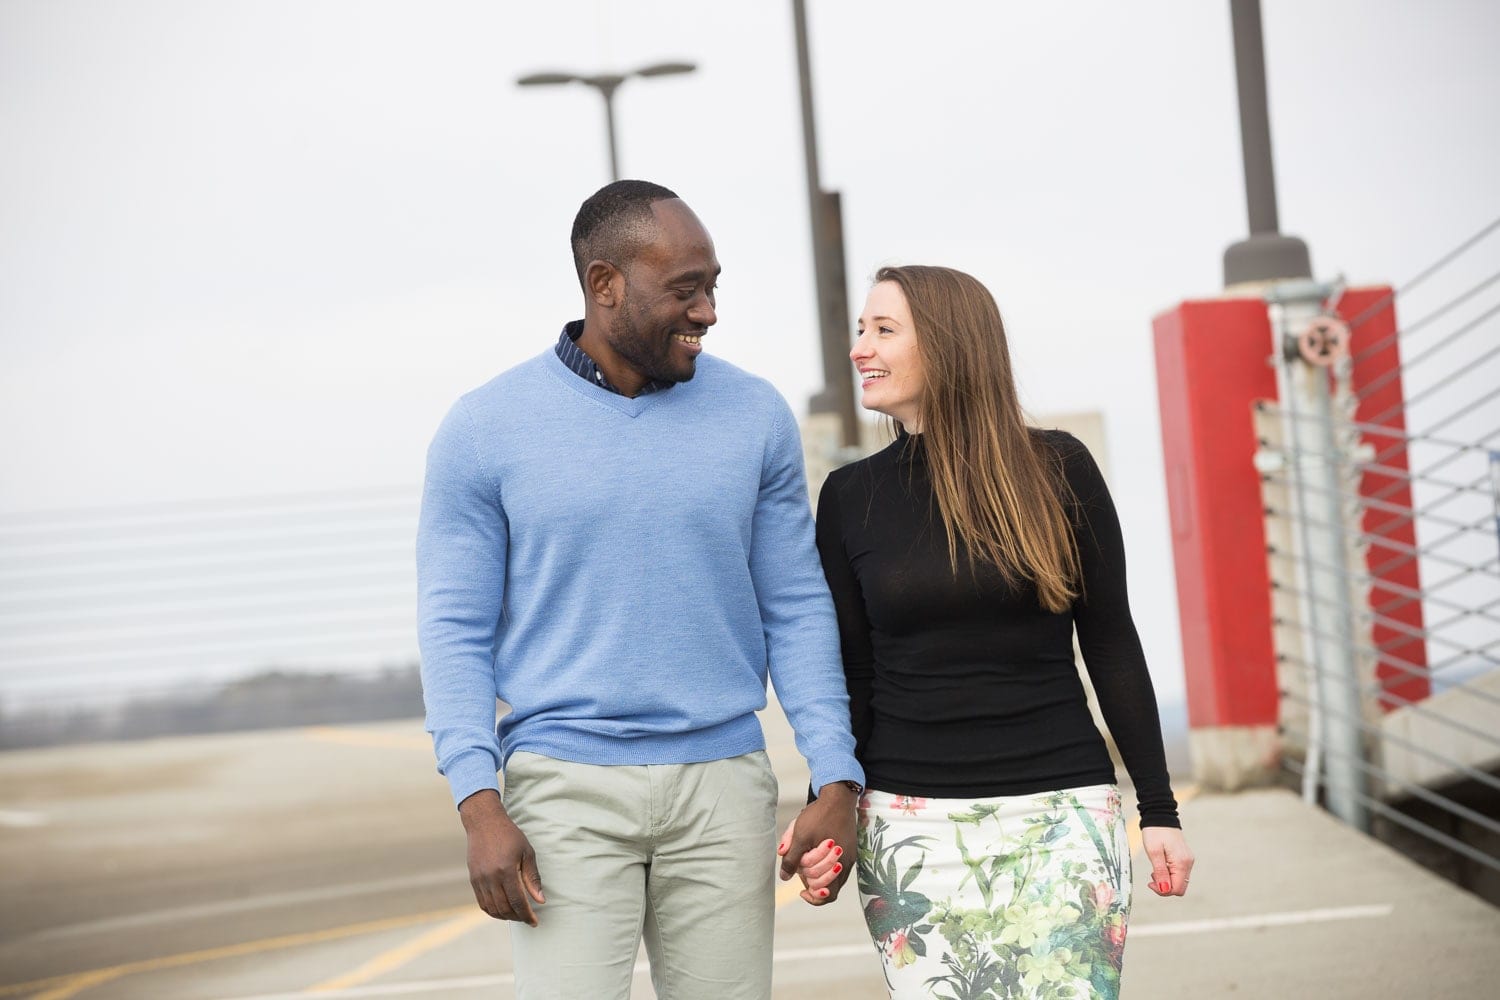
(462, 542)
(795, 610)
(849, 607)
(1107, 636)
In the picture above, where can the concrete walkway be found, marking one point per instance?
(323, 863)
(1288, 903)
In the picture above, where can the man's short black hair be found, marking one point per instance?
(615, 222)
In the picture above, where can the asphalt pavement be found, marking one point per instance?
(328, 862)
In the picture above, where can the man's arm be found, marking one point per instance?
(820, 866)
(802, 644)
(462, 543)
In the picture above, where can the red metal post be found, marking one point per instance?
(1212, 361)
(1376, 350)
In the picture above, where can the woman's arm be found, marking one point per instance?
(1107, 635)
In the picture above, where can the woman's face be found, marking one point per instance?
(890, 368)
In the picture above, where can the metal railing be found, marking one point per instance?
(1380, 468)
(104, 606)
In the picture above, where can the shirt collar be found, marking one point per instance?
(584, 367)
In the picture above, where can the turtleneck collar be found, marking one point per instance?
(909, 447)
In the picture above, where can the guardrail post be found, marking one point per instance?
(1308, 347)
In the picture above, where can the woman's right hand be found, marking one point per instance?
(817, 867)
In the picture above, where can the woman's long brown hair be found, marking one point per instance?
(999, 488)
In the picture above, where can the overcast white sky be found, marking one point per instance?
(259, 247)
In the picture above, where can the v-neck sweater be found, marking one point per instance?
(963, 686)
(624, 574)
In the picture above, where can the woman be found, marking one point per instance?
(993, 858)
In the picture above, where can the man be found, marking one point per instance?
(616, 540)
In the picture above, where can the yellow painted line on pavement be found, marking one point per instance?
(79, 983)
(393, 959)
(69, 984)
(363, 738)
(1133, 831)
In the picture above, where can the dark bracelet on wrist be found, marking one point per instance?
(853, 786)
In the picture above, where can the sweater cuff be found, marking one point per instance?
(470, 772)
(832, 767)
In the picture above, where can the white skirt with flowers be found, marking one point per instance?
(1007, 897)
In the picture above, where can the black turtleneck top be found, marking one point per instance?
(963, 686)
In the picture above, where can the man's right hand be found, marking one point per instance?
(502, 865)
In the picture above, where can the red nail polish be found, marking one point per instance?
(830, 844)
(837, 868)
(823, 893)
(838, 851)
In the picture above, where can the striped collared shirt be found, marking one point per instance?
(583, 366)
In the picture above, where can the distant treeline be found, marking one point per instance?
(265, 701)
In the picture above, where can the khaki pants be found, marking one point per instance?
(682, 853)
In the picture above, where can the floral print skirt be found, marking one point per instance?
(997, 898)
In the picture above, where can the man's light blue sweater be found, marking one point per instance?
(622, 572)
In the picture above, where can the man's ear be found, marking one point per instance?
(604, 282)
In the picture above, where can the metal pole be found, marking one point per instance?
(1320, 465)
(1495, 488)
(1255, 120)
(1266, 255)
(809, 128)
(824, 210)
(609, 121)
(606, 84)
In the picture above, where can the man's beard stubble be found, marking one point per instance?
(649, 355)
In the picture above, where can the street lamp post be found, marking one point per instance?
(606, 84)
(826, 210)
(1266, 255)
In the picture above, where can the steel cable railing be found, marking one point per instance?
(332, 503)
(1452, 490)
(1381, 496)
(1407, 667)
(1419, 707)
(1406, 632)
(1479, 819)
(1416, 826)
(1458, 767)
(1408, 329)
(1433, 632)
(1436, 267)
(112, 604)
(1369, 388)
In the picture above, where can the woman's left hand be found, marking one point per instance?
(1171, 859)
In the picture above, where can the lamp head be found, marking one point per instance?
(541, 79)
(665, 69)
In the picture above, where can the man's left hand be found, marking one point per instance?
(827, 825)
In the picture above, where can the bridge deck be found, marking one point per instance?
(279, 863)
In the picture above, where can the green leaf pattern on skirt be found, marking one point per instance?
(997, 899)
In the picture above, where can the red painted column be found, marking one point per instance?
(1376, 377)
(1212, 364)
(1214, 361)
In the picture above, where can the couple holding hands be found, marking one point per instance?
(615, 540)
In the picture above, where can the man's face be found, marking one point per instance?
(668, 301)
